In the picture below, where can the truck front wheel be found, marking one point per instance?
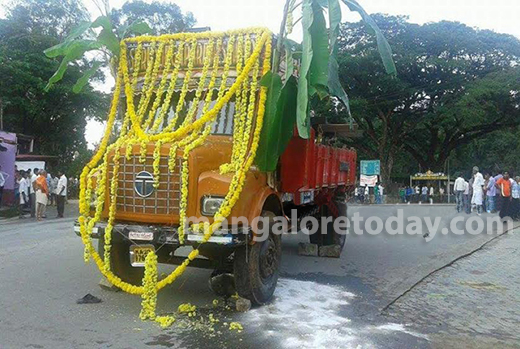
(256, 267)
(120, 263)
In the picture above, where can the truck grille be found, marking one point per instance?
(164, 200)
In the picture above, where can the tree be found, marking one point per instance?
(56, 118)
(161, 17)
(104, 43)
(46, 17)
(437, 63)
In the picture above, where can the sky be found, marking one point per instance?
(502, 16)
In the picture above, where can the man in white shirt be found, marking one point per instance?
(478, 191)
(32, 191)
(24, 193)
(459, 188)
(61, 193)
(3, 179)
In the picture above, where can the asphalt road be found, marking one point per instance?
(320, 302)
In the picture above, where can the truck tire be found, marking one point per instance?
(332, 237)
(256, 267)
(120, 263)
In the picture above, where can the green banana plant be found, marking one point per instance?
(85, 38)
(288, 100)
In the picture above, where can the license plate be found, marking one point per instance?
(138, 254)
(140, 235)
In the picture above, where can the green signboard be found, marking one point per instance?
(370, 167)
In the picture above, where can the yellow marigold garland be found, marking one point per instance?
(248, 148)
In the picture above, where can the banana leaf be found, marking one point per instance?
(61, 48)
(334, 84)
(318, 72)
(302, 104)
(279, 120)
(382, 44)
(83, 80)
(75, 51)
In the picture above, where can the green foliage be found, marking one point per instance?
(334, 84)
(451, 90)
(318, 75)
(83, 80)
(278, 126)
(57, 118)
(84, 39)
(161, 17)
(318, 71)
(383, 46)
(302, 106)
(134, 18)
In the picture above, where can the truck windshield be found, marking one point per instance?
(223, 124)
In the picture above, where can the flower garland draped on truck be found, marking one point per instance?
(141, 126)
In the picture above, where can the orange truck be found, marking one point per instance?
(312, 178)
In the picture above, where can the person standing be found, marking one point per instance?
(381, 193)
(54, 192)
(491, 192)
(42, 194)
(467, 198)
(402, 191)
(376, 193)
(459, 186)
(23, 188)
(367, 194)
(498, 195)
(49, 185)
(515, 195)
(3, 179)
(478, 192)
(32, 192)
(503, 184)
(409, 194)
(441, 194)
(61, 193)
(432, 192)
(424, 196)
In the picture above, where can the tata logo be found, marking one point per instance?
(143, 184)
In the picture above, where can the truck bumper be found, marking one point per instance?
(162, 235)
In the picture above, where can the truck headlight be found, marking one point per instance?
(210, 205)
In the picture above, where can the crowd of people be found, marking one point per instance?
(419, 194)
(492, 192)
(37, 189)
(362, 194)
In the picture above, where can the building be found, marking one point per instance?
(8, 150)
(16, 154)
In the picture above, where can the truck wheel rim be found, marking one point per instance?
(268, 259)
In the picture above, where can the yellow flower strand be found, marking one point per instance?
(162, 84)
(139, 134)
(147, 75)
(207, 102)
(184, 172)
(184, 89)
(171, 89)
